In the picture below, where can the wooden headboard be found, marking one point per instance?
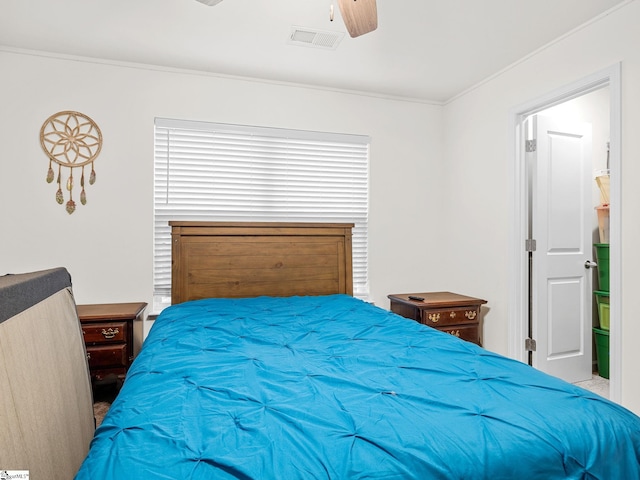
(246, 259)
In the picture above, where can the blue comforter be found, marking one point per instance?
(334, 388)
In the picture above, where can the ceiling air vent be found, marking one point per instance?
(309, 37)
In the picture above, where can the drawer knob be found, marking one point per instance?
(434, 317)
(455, 333)
(470, 314)
(110, 333)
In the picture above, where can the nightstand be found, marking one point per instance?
(455, 314)
(113, 336)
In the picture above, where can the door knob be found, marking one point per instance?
(590, 264)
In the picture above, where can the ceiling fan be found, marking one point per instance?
(360, 16)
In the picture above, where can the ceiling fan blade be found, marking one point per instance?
(211, 3)
(360, 16)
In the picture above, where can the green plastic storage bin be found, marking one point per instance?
(602, 258)
(602, 300)
(602, 351)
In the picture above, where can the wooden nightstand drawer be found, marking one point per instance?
(449, 316)
(112, 332)
(112, 335)
(104, 356)
(470, 333)
(455, 314)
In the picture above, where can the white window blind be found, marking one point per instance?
(220, 172)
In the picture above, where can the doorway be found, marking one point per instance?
(561, 220)
(520, 299)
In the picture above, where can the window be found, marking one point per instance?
(219, 172)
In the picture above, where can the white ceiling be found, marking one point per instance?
(423, 49)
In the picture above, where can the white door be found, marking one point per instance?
(561, 224)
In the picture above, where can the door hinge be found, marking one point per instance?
(530, 145)
(529, 245)
(529, 344)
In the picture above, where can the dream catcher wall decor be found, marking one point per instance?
(73, 140)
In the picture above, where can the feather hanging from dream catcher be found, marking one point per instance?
(71, 140)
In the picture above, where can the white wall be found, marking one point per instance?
(476, 139)
(107, 244)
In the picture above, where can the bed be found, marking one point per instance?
(46, 412)
(321, 385)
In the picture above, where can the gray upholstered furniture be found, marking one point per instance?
(46, 412)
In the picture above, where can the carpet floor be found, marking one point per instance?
(597, 385)
(103, 397)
